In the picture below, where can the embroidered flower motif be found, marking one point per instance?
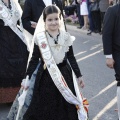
(43, 45)
(59, 50)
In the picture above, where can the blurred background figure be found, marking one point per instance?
(84, 13)
(13, 53)
(97, 10)
(91, 24)
(33, 10)
(103, 5)
(95, 14)
(80, 17)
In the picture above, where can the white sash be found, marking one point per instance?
(59, 81)
(5, 15)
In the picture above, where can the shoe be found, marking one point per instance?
(96, 31)
(89, 33)
(84, 28)
(79, 27)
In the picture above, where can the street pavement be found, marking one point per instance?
(100, 85)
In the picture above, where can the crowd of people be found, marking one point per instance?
(90, 13)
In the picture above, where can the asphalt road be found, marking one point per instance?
(100, 85)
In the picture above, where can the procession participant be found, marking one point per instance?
(55, 92)
(13, 50)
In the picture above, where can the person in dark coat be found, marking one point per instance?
(33, 10)
(111, 44)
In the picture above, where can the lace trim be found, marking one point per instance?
(64, 41)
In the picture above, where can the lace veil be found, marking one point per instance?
(41, 26)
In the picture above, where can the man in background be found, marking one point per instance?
(111, 44)
(33, 10)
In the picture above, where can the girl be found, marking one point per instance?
(47, 101)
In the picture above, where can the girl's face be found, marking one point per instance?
(52, 22)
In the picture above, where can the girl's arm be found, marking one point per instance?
(74, 65)
(73, 62)
(34, 61)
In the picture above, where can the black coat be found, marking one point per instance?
(111, 30)
(111, 37)
(33, 10)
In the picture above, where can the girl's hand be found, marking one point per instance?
(80, 82)
(25, 85)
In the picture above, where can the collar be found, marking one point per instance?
(55, 39)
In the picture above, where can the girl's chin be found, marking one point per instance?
(54, 28)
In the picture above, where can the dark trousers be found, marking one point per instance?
(96, 20)
(92, 27)
(80, 17)
(116, 57)
(102, 16)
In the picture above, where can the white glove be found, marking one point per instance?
(25, 83)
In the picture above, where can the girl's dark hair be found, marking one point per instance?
(50, 10)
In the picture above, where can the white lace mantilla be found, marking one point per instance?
(58, 50)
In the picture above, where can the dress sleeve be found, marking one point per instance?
(26, 17)
(73, 62)
(34, 61)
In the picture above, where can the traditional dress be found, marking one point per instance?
(47, 103)
(51, 94)
(13, 55)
